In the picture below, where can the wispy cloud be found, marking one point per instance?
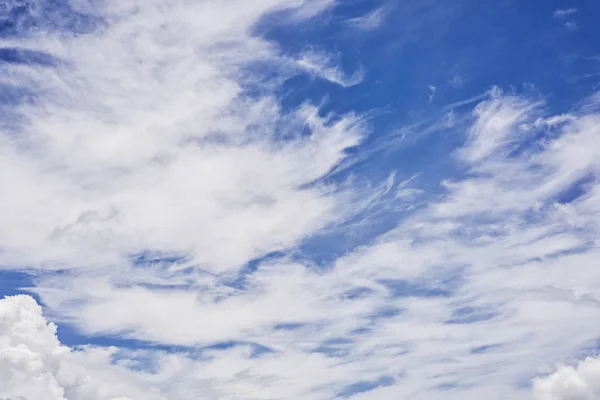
(571, 25)
(322, 65)
(164, 193)
(431, 90)
(137, 152)
(476, 277)
(456, 81)
(498, 123)
(560, 13)
(370, 21)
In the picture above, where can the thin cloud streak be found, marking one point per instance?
(370, 21)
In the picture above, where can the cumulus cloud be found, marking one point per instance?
(581, 382)
(35, 366)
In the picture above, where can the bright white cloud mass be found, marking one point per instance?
(170, 204)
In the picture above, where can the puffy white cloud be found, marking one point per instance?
(581, 382)
(29, 351)
(35, 366)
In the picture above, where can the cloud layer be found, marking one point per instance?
(150, 128)
(164, 195)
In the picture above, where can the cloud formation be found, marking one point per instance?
(35, 366)
(448, 299)
(150, 128)
(370, 21)
(563, 12)
(581, 382)
(165, 193)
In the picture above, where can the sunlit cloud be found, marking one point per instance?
(167, 201)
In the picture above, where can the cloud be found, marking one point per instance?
(446, 301)
(564, 13)
(456, 81)
(36, 366)
(431, 90)
(321, 65)
(496, 126)
(25, 370)
(571, 25)
(571, 383)
(137, 152)
(559, 13)
(370, 21)
(165, 195)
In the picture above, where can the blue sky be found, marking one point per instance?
(307, 199)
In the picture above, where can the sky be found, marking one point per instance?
(299, 199)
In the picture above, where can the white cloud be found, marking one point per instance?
(322, 65)
(550, 122)
(161, 147)
(370, 21)
(581, 382)
(432, 90)
(562, 12)
(35, 366)
(499, 229)
(565, 13)
(496, 126)
(138, 150)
